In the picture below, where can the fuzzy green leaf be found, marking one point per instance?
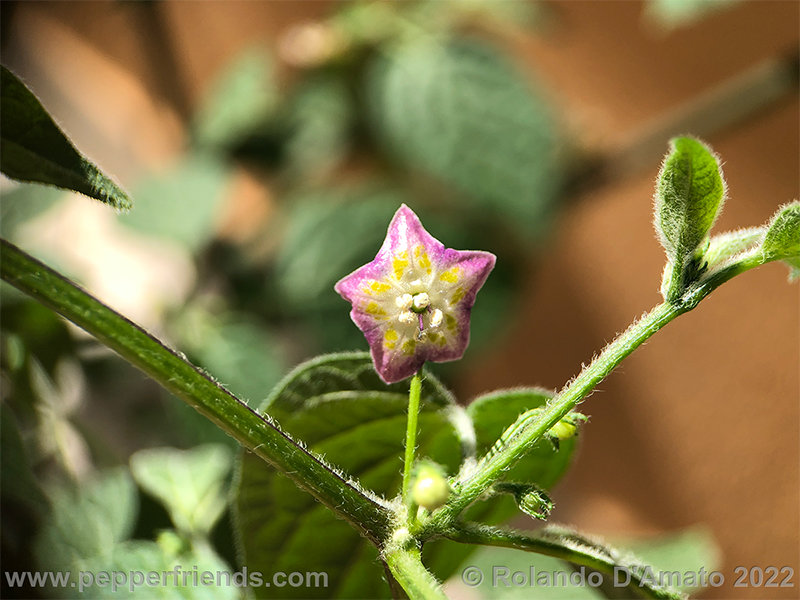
(689, 195)
(724, 247)
(341, 409)
(188, 482)
(459, 111)
(33, 148)
(339, 406)
(782, 241)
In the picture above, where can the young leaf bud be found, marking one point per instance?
(689, 195)
(782, 240)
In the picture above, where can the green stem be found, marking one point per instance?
(411, 441)
(489, 470)
(472, 484)
(406, 566)
(259, 433)
(565, 545)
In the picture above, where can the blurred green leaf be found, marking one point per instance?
(24, 203)
(190, 483)
(509, 573)
(181, 204)
(33, 148)
(86, 521)
(315, 253)
(685, 551)
(453, 14)
(23, 500)
(462, 112)
(241, 99)
(675, 13)
(498, 564)
(237, 349)
(145, 557)
(320, 116)
(341, 409)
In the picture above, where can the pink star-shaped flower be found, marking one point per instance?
(414, 300)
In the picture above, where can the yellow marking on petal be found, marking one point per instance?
(437, 339)
(409, 346)
(422, 259)
(373, 309)
(451, 275)
(379, 287)
(458, 296)
(451, 322)
(399, 264)
(390, 339)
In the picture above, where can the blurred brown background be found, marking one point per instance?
(702, 425)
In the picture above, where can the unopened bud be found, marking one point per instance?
(431, 489)
(564, 430)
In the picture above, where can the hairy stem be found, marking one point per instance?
(260, 434)
(565, 545)
(406, 566)
(411, 441)
(470, 485)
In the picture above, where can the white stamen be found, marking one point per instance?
(421, 301)
(405, 301)
(416, 285)
(436, 318)
(407, 317)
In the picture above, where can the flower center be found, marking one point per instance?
(414, 308)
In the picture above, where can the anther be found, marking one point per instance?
(420, 301)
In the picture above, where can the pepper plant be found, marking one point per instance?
(338, 425)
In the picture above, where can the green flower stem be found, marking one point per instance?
(411, 441)
(260, 434)
(406, 566)
(565, 545)
(490, 469)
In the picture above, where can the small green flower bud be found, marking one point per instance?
(530, 499)
(563, 430)
(431, 489)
